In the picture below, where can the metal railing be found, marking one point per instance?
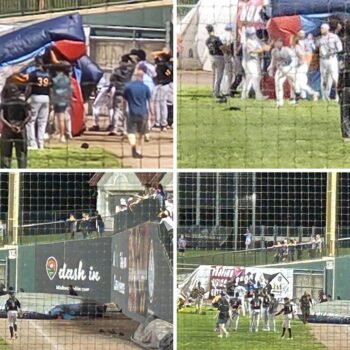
(29, 7)
(260, 256)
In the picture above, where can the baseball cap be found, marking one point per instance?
(142, 67)
(229, 26)
(250, 31)
(209, 28)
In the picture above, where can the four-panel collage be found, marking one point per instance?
(174, 174)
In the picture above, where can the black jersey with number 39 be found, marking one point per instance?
(40, 82)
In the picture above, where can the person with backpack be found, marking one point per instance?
(61, 98)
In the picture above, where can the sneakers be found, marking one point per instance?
(282, 337)
(316, 96)
(112, 133)
(291, 338)
(16, 335)
(220, 336)
(147, 138)
(163, 128)
(94, 128)
(63, 139)
(135, 154)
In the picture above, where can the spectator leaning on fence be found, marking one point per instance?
(248, 239)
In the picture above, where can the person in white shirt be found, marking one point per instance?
(282, 67)
(253, 48)
(248, 239)
(329, 46)
(227, 39)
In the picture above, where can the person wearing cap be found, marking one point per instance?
(14, 114)
(302, 68)
(255, 312)
(38, 91)
(282, 68)
(215, 45)
(329, 46)
(287, 312)
(227, 39)
(12, 307)
(223, 316)
(253, 48)
(138, 108)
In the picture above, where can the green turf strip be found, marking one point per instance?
(197, 332)
(257, 134)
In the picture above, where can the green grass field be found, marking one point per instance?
(58, 157)
(4, 345)
(255, 134)
(197, 332)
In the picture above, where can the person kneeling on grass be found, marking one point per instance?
(139, 107)
(15, 114)
(287, 315)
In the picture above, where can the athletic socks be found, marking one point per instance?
(290, 332)
(11, 332)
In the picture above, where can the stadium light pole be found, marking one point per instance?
(331, 212)
(198, 200)
(236, 210)
(13, 207)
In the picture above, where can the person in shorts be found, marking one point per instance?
(138, 109)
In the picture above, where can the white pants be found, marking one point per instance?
(254, 320)
(235, 319)
(272, 319)
(39, 118)
(12, 317)
(301, 81)
(286, 321)
(252, 71)
(228, 74)
(160, 101)
(265, 313)
(282, 74)
(329, 69)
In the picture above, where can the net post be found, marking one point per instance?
(13, 207)
(331, 212)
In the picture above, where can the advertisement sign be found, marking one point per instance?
(85, 264)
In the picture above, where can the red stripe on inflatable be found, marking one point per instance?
(284, 28)
(77, 110)
(69, 50)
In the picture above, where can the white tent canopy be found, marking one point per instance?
(192, 30)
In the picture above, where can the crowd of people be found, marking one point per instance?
(139, 96)
(87, 225)
(243, 63)
(258, 304)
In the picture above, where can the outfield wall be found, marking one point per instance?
(130, 268)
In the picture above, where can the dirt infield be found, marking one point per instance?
(108, 333)
(333, 336)
(157, 153)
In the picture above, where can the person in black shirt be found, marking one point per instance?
(163, 81)
(214, 45)
(14, 116)
(71, 291)
(287, 315)
(223, 316)
(12, 307)
(236, 305)
(39, 93)
(255, 310)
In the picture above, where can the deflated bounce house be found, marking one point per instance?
(61, 38)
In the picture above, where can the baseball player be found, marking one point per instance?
(305, 304)
(329, 46)
(223, 316)
(253, 48)
(214, 46)
(287, 316)
(227, 39)
(265, 310)
(197, 294)
(248, 298)
(283, 63)
(12, 307)
(241, 293)
(272, 310)
(255, 306)
(236, 305)
(39, 92)
(301, 79)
